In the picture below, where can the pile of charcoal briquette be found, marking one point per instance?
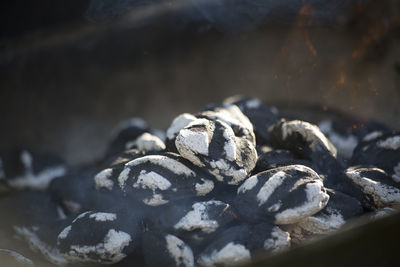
(215, 189)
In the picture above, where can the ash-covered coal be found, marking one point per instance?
(217, 188)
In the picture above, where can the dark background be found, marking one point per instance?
(71, 70)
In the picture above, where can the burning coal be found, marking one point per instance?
(219, 187)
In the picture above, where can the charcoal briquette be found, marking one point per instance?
(259, 114)
(382, 152)
(337, 212)
(232, 116)
(162, 249)
(125, 134)
(22, 168)
(307, 142)
(277, 158)
(379, 189)
(214, 146)
(283, 195)
(157, 179)
(100, 237)
(237, 244)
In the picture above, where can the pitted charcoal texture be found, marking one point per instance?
(379, 189)
(214, 146)
(282, 195)
(260, 115)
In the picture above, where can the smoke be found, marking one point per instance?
(227, 16)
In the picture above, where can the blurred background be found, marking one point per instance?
(71, 70)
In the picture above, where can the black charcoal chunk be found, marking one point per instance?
(214, 146)
(157, 179)
(336, 213)
(14, 259)
(232, 116)
(259, 114)
(161, 249)
(382, 152)
(277, 158)
(85, 189)
(101, 237)
(146, 142)
(107, 177)
(237, 245)
(307, 142)
(127, 132)
(22, 168)
(379, 189)
(197, 221)
(283, 195)
(345, 133)
(177, 124)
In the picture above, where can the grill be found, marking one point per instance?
(68, 79)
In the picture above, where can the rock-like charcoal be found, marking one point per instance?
(177, 124)
(260, 115)
(283, 195)
(379, 189)
(237, 244)
(277, 158)
(231, 115)
(382, 152)
(107, 177)
(15, 259)
(76, 192)
(214, 146)
(207, 195)
(101, 237)
(306, 141)
(147, 142)
(336, 213)
(161, 249)
(346, 133)
(157, 179)
(127, 132)
(21, 169)
(195, 222)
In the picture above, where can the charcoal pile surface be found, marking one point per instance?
(215, 189)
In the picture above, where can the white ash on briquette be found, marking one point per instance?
(219, 187)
